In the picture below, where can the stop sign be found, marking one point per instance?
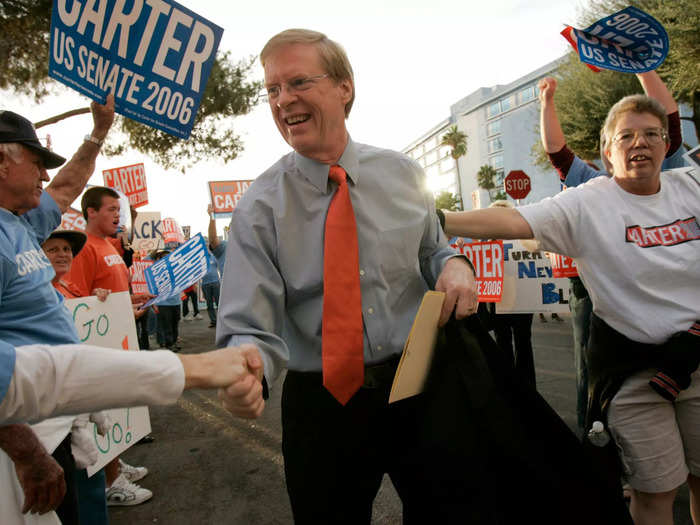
(517, 184)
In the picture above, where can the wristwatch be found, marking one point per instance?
(94, 140)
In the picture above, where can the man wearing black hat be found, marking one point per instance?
(30, 309)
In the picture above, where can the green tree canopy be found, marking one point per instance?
(447, 201)
(486, 177)
(24, 60)
(457, 140)
(583, 98)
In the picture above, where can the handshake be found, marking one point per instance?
(236, 371)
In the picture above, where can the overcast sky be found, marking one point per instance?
(412, 60)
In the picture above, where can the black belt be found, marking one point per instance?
(382, 374)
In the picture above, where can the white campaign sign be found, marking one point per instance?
(148, 233)
(528, 285)
(111, 324)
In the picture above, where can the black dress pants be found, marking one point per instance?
(335, 456)
(67, 511)
(516, 328)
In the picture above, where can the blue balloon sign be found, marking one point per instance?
(155, 56)
(629, 41)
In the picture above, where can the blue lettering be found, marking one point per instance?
(507, 246)
(544, 272)
(549, 296)
(528, 270)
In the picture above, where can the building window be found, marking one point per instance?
(418, 151)
(497, 161)
(431, 157)
(500, 175)
(526, 95)
(447, 164)
(507, 103)
(494, 127)
(495, 145)
(431, 142)
(445, 151)
(493, 110)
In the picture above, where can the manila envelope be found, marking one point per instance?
(418, 351)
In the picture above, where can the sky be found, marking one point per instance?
(412, 60)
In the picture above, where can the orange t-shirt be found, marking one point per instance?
(66, 289)
(98, 265)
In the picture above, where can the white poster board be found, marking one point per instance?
(111, 324)
(528, 284)
(148, 233)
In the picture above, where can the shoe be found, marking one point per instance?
(543, 319)
(198, 317)
(557, 318)
(187, 318)
(132, 474)
(123, 493)
(212, 325)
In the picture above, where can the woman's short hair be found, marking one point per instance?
(631, 104)
(333, 57)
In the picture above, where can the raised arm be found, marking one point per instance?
(654, 87)
(489, 223)
(213, 238)
(552, 136)
(72, 177)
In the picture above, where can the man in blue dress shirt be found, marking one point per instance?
(272, 293)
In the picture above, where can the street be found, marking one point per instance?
(207, 467)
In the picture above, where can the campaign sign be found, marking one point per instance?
(131, 181)
(72, 219)
(105, 324)
(225, 195)
(155, 57)
(629, 41)
(694, 156)
(137, 276)
(487, 259)
(529, 284)
(562, 266)
(148, 235)
(178, 270)
(172, 233)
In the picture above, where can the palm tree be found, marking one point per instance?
(457, 140)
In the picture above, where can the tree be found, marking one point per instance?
(457, 140)
(447, 201)
(583, 98)
(24, 59)
(486, 177)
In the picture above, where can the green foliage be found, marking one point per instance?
(457, 140)
(24, 58)
(583, 98)
(486, 177)
(447, 201)
(500, 195)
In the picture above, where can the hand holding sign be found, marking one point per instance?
(629, 41)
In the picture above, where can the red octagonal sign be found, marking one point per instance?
(517, 184)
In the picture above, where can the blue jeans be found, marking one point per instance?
(581, 308)
(211, 296)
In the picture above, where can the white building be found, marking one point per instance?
(500, 123)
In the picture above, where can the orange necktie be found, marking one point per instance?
(343, 361)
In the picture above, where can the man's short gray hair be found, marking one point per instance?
(13, 150)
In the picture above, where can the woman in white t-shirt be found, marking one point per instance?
(636, 241)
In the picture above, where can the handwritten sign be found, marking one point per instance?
(487, 259)
(529, 284)
(629, 41)
(131, 181)
(179, 270)
(72, 219)
(110, 324)
(147, 231)
(225, 195)
(155, 57)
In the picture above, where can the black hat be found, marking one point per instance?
(75, 238)
(16, 128)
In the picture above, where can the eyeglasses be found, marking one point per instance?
(627, 137)
(293, 86)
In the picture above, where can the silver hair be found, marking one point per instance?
(13, 150)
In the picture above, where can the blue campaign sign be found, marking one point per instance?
(179, 270)
(629, 41)
(155, 56)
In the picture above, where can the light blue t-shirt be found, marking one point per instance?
(220, 254)
(7, 367)
(212, 275)
(31, 310)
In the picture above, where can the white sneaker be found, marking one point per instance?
(186, 317)
(198, 317)
(124, 493)
(132, 474)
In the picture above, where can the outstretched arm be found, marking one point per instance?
(72, 177)
(489, 223)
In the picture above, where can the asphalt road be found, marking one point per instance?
(207, 467)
